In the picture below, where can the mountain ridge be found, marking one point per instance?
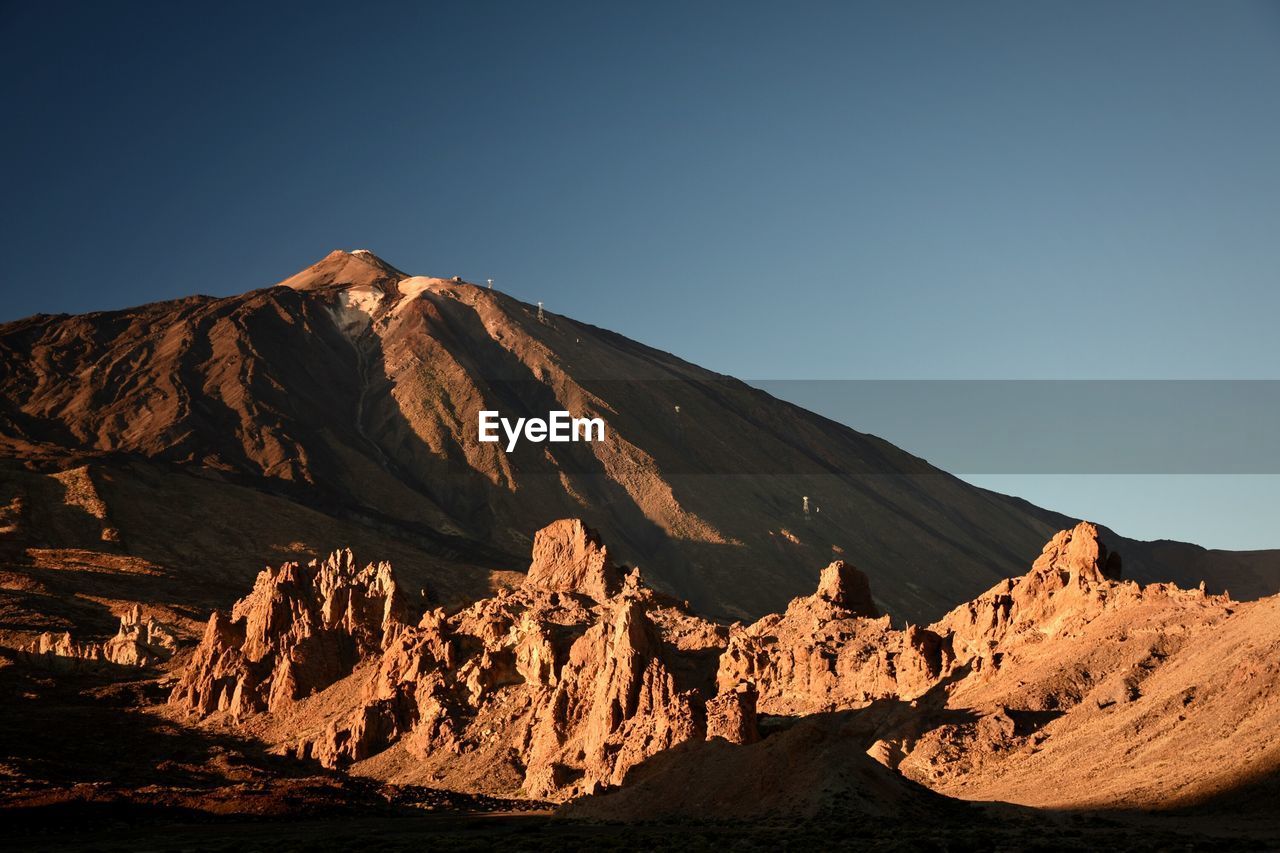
(352, 388)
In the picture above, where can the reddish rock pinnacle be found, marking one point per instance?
(845, 586)
(568, 557)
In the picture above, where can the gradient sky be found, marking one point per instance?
(870, 190)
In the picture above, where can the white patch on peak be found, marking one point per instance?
(418, 284)
(354, 311)
(415, 286)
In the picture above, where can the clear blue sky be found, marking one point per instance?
(821, 190)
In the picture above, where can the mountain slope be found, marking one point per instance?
(352, 391)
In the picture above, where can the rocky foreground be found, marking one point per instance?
(1068, 687)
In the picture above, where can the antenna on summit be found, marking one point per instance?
(490, 283)
(541, 317)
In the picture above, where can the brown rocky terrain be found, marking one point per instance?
(1067, 688)
(587, 686)
(554, 689)
(301, 629)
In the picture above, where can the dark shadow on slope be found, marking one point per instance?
(93, 725)
(93, 745)
(93, 756)
(37, 611)
(510, 386)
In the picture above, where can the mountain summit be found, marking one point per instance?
(345, 269)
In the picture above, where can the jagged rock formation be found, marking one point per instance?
(577, 677)
(138, 642)
(615, 704)
(557, 691)
(1074, 675)
(560, 689)
(1067, 687)
(1069, 583)
(567, 557)
(301, 629)
(830, 651)
(731, 715)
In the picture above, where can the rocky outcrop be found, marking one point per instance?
(1066, 646)
(564, 686)
(548, 688)
(585, 679)
(138, 642)
(1059, 688)
(1068, 585)
(732, 715)
(556, 689)
(301, 629)
(568, 557)
(616, 704)
(847, 588)
(830, 651)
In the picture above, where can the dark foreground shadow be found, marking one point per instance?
(91, 761)
(96, 747)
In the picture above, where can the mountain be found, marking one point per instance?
(166, 450)
(496, 648)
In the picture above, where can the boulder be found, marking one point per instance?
(568, 557)
(848, 588)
